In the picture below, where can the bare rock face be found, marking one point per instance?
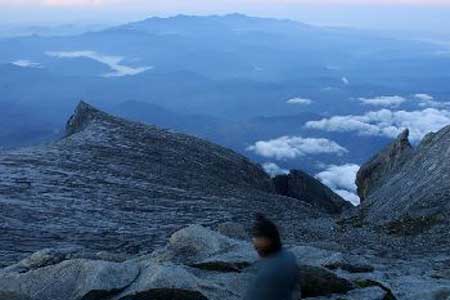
(71, 279)
(124, 187)
(178, 277)
(408, 190)
(378, 169)
(299, 185)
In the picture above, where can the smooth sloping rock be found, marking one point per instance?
(371, 293)
(417, 287)
(374, 172)
(407, 190)
(317, 281)
(163, 281)
(72, 279)
(124, 187)
(203, 248)
(53, 256)
(298, 184)
(43, 258)
(331, 260)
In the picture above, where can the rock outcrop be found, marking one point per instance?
(176, 271)
(407, 190)
(298, 184)
(124, 187)
(378, 169)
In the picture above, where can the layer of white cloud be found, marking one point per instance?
(298, 100)
(349, 196)
(345, 80)
(387, 123)
(287, 147)
(386, 101)
(341, 179)
(424, 97)
(426, 100)
(273, 169)
(114, 62)
(25, 63)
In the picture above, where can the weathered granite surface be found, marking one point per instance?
(407, 189)
(179, 271)
(124, 187)
(88, 217)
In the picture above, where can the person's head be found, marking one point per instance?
(265, 236)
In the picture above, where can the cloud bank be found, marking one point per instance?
(385, 101)
(114, 62)
(289, 147)
(387, 123)
(426, 100)
(341, 179)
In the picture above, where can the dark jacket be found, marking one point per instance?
(276, 279)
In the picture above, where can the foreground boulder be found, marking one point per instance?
(71, 279)
(371, 293)
(202, 248)
(197, 263)
(201, 264)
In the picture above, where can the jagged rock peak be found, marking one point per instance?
(84, 113)
(381, 165)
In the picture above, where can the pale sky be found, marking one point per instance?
(415, 15)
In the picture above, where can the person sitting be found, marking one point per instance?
(277, 275)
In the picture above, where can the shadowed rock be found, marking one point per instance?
(372, 174)
(406, 189)
(299, 185)
(72, 279)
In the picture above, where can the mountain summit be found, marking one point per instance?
(111, 184)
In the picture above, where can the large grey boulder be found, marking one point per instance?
(317, 281)
(200, 247)
(163, 281)
(331, 260)
(370, 293)
(72, 279)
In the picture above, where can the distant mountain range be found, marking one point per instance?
(227, 78)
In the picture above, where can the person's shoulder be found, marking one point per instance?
(289, 256)
(287, 252)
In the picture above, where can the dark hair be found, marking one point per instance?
(265, 228)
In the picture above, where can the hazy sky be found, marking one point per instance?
(426, 15)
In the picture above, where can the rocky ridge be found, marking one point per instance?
(124, 187)
(407, 189)
(103, 201)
